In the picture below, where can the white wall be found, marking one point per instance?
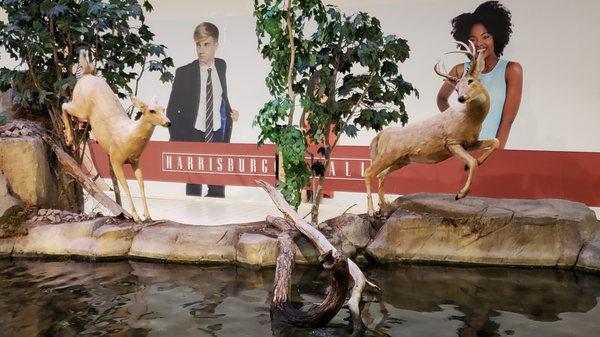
(556, 43)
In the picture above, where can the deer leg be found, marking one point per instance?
(381, 176)
(118, 168)
(140, 180)
(471, 162)
(489, 144)
(65, 107)
(376, 167)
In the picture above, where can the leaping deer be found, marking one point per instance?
(122, 138)
(451, 133)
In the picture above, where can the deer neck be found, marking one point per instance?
(140, 134)
(478, 108)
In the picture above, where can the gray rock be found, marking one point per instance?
(24, 163)
(434, 227)
(260, 250)
(589, 259)
(256, 249)
(348, 232)
(6, 200)
(92, 239)
(185, 243)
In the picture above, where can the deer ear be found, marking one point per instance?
(137, 102)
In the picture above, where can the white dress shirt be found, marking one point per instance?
(217, 98)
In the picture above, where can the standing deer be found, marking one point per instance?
(451, 133)
(122, 138)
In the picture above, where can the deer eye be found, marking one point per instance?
(152, 111)
(469, 81)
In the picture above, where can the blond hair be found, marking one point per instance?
(206, 29)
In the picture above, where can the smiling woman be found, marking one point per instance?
(489, 27)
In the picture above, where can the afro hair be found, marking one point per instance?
(493, 16)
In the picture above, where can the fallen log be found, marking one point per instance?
(325, 248)
(285, 311)
(74, 170)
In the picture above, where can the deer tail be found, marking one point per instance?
(84, 62)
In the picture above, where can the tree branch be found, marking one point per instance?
(323, 246)
(290, 29)
(362, 96)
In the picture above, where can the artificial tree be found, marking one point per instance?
(344, 73)
(44, 37)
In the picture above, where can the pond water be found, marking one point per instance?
(67, 298)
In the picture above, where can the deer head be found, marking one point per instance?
(468, 86)
(153, 113)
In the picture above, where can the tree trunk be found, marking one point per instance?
(317, 199)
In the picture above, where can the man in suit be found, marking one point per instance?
(199, 107)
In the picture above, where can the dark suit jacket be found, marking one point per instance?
(182, 109)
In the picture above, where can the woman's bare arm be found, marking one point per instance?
(514, 88)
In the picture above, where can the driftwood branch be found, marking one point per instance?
(74, 170)
(282, 309)
(325, 248)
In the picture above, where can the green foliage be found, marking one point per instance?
(275, 118)
(274, 39)
(45, 36)
(290, 139)
(357, 77)
(346, 73)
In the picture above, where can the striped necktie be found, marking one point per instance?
(208, 135)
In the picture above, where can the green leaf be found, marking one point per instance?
(166, 77)
(57, 10)
(147, 6)
(351, 130)
(82, 30)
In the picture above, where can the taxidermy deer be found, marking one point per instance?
(448, 134)
(122, 138)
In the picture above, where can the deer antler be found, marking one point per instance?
(443, 73)
(470, 48)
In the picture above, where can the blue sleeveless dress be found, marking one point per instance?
(495, 83)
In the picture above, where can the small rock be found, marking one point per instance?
(8, 134)
(25, 132)
(42, 211)
(56, 211)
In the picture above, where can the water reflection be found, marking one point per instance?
(66, 298)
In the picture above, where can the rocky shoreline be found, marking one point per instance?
(424, 228)
(418, 228)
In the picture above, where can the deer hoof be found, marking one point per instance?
(466, 167)
(456, 197)
(69, 141)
